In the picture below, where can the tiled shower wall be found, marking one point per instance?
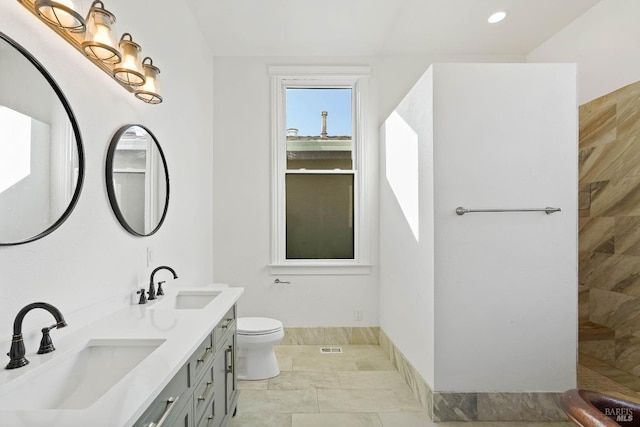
(609, 228)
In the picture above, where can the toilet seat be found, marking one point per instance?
(250, 326)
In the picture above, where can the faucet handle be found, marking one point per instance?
(46, 345)
(160, 290)
(143, 297)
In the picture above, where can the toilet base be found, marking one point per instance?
(257, 364)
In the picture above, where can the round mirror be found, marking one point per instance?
(137, 180)
(41, 157)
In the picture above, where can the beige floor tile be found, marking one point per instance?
(407, 419)
(370, 380)
(285, 363)
(304, 380)
(253, 385)
(373, 363)
(277, 401)
(324, 363)
(330, 401)
(337, 420)
(297, 350)
(260, 420)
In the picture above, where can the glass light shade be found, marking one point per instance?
(99, 42)
(149, 92)
(60, 13)
(129, 71)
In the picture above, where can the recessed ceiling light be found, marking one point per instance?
(497, 16)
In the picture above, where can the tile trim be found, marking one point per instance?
(474, 406)
(331, 335)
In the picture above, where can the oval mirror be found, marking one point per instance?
(137, 180)
(41, 157)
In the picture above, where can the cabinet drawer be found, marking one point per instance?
(209, 419)
(202, 357)
(226, 324)
(203, 393)
(169, 401)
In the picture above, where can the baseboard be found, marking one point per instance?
(474, 406)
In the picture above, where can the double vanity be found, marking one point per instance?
(170, 362)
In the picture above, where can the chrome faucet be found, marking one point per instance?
(17, 351)
(152, 290)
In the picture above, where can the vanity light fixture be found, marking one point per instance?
(497, 16)
(149, 91)
(60, 13)
(129, 70)
(99, 42)
(95, 37)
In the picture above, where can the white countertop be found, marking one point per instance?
(124, 403)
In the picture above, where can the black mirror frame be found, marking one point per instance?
(76, 133)
(109, 180)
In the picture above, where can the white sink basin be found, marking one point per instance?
(187, 300)
(77, 380)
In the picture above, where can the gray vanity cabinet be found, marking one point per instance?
(203, 393)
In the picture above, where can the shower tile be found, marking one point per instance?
(583, 304)
(584, 196)
(616, 273)
(609, 308)
(616, 160)
(628, 354)
(627, 236)
(596, 235)
(620, 197)
(597, 122)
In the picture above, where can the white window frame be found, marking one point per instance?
(356, 78)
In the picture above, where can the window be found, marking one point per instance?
(319, 224)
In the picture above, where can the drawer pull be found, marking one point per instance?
(209, 419)
(207, 352)
(203, 396)
(229, 360)
(171, 403)
(226, 325)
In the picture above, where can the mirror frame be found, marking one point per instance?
(109, 180)
(76, 133)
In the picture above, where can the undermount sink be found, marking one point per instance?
(187, 300)
(77, 380)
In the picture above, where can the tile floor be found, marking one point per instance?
(357, 388)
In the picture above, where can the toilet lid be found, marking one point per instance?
(258, 325)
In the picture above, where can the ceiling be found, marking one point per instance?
(380, 27)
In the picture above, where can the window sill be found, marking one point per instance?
(320, 268)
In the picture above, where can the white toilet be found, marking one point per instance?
(256, 356)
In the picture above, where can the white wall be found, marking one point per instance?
(492, 304)
(90, 258)
(604, 44)
(242, 204)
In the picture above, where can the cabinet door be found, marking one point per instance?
(219, 397)
(230, 373)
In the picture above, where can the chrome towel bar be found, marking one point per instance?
(461, 211)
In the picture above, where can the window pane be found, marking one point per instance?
(319, 128)
(319, 216)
